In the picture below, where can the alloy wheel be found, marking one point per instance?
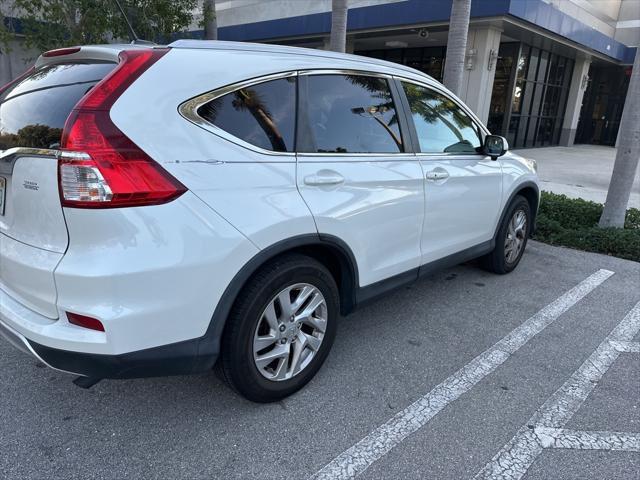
(516, 233)
(290, 331)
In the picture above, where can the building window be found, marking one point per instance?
(540, 97)
(532, 115)
(603, 104)
(502, 87)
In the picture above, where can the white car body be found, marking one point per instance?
(162, 278)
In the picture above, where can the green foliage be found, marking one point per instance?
(37, 136)
(49, 24)
(574, 223)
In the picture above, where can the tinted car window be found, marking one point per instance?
(347, 114)
(33, 112)
(262, 115)
(442, 126)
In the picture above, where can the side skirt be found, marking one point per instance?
(365, 295)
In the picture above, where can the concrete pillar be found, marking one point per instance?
(574, 100)
(480, 69)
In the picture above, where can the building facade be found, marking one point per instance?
(539, 72)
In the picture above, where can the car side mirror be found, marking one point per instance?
(495, 146)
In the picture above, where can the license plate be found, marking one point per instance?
(3, 188)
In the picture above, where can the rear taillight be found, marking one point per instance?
(99, 166)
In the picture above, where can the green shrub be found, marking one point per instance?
(574, 223)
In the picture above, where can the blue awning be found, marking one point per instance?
(412, 12)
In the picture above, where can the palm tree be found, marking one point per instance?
(338, 38)
(209, 19)
(249, 99)
(378, 88)
(456, 45)
(626, 164)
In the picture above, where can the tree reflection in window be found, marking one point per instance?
(262, 115)
(379, 90)
(348, 114)
(442, 126)
(34, 110)
(36, 136)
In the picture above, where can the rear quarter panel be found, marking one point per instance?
(153, 275)
(255, 192)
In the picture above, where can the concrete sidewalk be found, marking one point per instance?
(581, 171)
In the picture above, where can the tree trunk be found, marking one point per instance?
(210, 20)
(457, 45)
(624, 169)
(338, 39)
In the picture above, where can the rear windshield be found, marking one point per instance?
(33, 112)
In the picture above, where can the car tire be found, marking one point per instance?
(511, 238)
(273, 304)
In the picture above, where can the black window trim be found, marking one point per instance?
(189, 110)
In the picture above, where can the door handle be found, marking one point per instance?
(437, 175)
(332, 178)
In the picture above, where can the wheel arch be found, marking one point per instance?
(331, 251)
(530, 191)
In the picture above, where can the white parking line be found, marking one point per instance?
(583, 440)
(515, 458)
(383, 439)
(627, 347)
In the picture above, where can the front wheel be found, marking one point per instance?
(281, 328)
(511, 239)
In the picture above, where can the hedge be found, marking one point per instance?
(574, 223)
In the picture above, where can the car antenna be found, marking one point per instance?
(132, 33)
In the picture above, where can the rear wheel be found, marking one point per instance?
(511, 239)
(281, 329)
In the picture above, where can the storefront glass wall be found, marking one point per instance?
(532, 115)
(503, 85)
(539, 98)
(602, 104)
(529, 93)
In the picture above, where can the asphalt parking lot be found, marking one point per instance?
(465, 374)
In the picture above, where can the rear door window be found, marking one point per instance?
(33, 112)
(263, 115)
(347, 114)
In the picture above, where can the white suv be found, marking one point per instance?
(165, 208)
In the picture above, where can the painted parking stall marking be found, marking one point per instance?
(544, 428)
(585, 440)
(627, 347)
(383, 439)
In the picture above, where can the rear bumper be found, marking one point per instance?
(27, 331)
(19, 341)
(174, 359)
(152, 275)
